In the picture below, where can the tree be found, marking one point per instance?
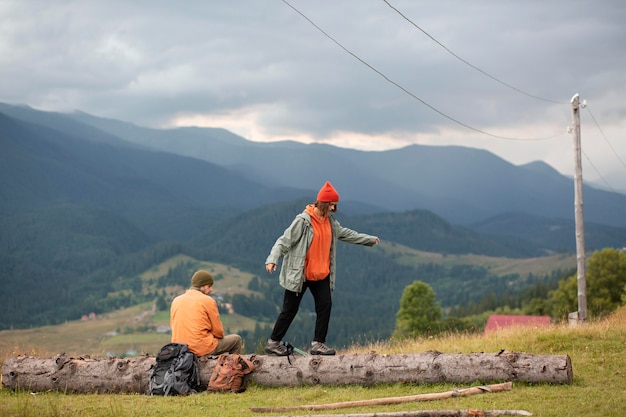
(606, 285)
(608, 270)
(419, 312)
(161, 304)
(565, 299)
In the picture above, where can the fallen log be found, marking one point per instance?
(391, 400)
(126, 375)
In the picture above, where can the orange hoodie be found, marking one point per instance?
(317, 263)
(195, 321)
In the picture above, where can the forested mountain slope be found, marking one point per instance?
(462, 185)
(84, 212)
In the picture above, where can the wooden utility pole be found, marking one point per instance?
(581, 314)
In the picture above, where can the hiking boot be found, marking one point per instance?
(276, 348)
(319, 348)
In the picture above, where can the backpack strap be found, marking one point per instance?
(248, 365)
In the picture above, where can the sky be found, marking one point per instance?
(362, 74)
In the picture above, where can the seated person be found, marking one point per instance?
(195, 320)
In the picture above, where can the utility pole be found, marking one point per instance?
(581, 314)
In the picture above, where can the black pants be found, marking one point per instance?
(291, 302)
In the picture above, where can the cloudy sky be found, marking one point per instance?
(363, 74)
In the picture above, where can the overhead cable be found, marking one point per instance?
(470, 64)
(410, 93)
(610, 146)
(598, 173)
(605, 138)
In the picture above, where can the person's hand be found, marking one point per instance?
(270, 268)
(377, 241)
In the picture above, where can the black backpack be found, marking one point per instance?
(175, 371)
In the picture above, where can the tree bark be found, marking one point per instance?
(87, 375)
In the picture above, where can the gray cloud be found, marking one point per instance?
(155, 63)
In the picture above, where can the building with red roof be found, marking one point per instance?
(498, 321)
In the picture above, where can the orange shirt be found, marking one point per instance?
(195, 321)
(317, 263)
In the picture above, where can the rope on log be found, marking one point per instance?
(393, 400)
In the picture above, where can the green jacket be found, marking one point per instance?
(294, 244)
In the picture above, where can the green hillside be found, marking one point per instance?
(497, 265)
(129, 331)
(134, 330)
(97, 262)
(84, 214)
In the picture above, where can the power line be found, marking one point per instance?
(611, 146)
(410, 93)
(599, 175)
(576, 130)
(468, 63)
(604, 136)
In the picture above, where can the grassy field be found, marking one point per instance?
(120, 332)
(597, 350)
(229, 280)
(497, 265)
(109, 334)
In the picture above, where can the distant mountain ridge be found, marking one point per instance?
(42, 166)
(463, 185)
(84, 209)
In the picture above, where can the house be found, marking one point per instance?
(163, 329)
(496, 321)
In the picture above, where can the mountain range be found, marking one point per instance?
(462, 185)
(86, 200)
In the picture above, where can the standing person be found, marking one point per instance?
(195, 320)
(308, 247)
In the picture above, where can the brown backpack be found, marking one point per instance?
(229, 371)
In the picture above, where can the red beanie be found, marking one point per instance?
(328, 194)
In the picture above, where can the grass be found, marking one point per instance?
(95, 337)
(497, 265)
(229, 280)
(597, 350)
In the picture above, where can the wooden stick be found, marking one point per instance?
(393, 400)
(431, 413)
